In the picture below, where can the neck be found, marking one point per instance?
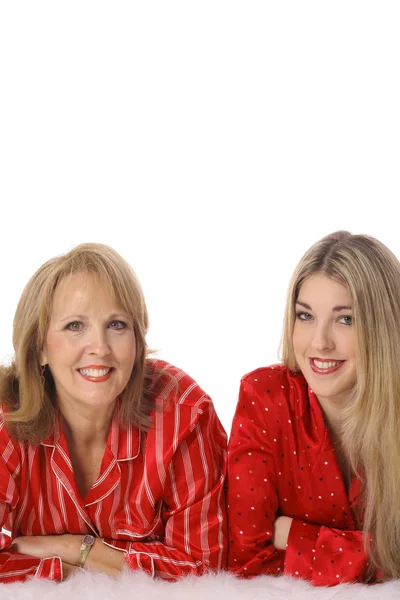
(86, 427)
(333, 413)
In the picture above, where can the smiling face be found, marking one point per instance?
(324, 338)
(90, 344)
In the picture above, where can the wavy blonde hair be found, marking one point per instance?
(371, 423)
(28, 391)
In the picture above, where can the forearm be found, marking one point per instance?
(66, 547)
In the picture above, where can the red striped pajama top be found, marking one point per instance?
(158, 498)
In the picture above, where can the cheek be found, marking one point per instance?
(59, 351)
(298, 341)
(126, 350)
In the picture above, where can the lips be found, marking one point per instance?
(325, 367)
(96, 373)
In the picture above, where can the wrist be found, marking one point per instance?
(87, 543)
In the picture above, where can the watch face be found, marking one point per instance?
(88, 540)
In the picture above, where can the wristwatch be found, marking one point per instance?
(87, 543)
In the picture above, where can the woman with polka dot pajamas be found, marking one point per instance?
(314, 454)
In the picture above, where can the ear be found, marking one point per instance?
(43, 358)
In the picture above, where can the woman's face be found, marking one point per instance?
(324, 338)
(90, 344)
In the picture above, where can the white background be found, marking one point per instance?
(210, 143)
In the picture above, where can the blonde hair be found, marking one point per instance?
(371, 423)
(27, 389)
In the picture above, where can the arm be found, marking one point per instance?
(15, 566)
(194, 504)
(323, 555)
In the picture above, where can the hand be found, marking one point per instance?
(65, 546)
(281, 532)
(68, 569)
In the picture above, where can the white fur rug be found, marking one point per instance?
(134, 586)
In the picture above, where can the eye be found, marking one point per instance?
(75, 326)
(346, 320)
(117, 325)
(303, 316)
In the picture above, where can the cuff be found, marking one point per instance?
(142, 561)
(301, 549)
(50, 568)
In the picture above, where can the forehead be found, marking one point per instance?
(82, 293)
(320, 290)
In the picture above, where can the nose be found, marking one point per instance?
(322, 338)
(97, 342)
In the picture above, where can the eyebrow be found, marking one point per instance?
(334, 309)
(84, 317)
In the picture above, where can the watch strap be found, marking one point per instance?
(86, 546)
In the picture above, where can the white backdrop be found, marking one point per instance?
(210, 143)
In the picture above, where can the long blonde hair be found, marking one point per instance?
(26, 388)
(371, 420)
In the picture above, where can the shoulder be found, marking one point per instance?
(177, 387)
(275, 378)
(275, 387)
(182, 407)
(10, 448)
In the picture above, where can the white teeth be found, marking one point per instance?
(326, 364)
(94, 372)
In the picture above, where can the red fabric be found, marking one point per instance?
(281, 461)
(159, 496)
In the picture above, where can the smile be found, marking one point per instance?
(325, 367)
(97, 374)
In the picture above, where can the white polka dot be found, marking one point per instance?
(237, 477)
(249, 453)
(240, 425)
(299, 487)
(296, 572)
(320, 497)
(340, 549)
(252, 508)
(274, 440)
(253, 402)
(289, 421)
(241, 532)
(266, 409)
(285, 499)
(325, 463)
(265, 479)
(332, 494)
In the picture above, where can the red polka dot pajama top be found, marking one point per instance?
(282, 461)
